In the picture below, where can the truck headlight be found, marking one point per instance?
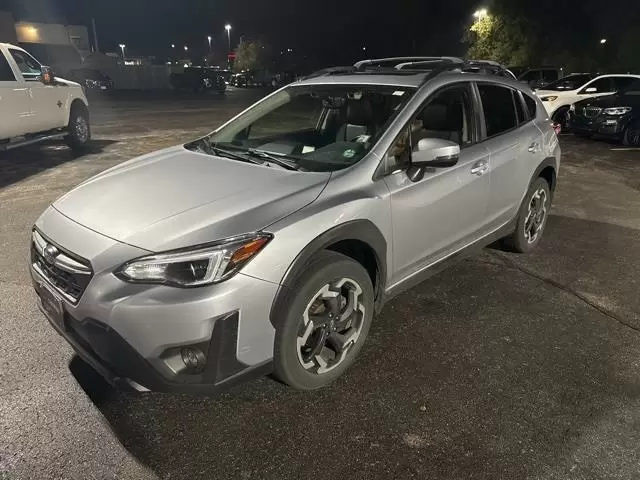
(617, 110)
(196, 266)
(549, 98)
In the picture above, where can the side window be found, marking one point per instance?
(447, 115)
(620, 83)
(601, 86)
(6, 74)
(29, 67)
(499, 112)
(549, 75)
(517, 100)
(532, 106)
(531, 76)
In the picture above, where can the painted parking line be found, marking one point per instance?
(626, 149)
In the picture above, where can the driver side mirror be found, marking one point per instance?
(432, 153)
(46, 75)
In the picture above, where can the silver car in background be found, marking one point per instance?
(269, 245)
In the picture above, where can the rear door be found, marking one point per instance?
(513, 140)
(14, 101)
(48, 108)
(445, 210)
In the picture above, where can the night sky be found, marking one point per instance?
(330, 31)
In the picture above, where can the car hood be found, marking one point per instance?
(68, 83)
(557, 93)
(177, 198)
(611, 101)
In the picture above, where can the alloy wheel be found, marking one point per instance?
(332, 323)
(81, 128)
(536, 215)
(633, 134)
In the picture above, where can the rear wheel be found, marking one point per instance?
(79, 129)
(325, 322)
(631, 135)
(532, 218)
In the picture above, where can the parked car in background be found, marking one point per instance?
(539, 77)
(557, 97)
(239, 80)
(615, 116)
(198, 79)
(91, 79)
(36, 106)
(269, 244)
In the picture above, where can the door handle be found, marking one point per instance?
(533, 148)
(480, 168)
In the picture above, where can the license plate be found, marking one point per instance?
(51, 304)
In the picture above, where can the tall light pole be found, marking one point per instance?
(227, 27)
(481, 13)
(209, 38)
(173, 45)
(603, 41)
(122, 46)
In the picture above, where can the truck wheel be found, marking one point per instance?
(325, 320)
(79, 129)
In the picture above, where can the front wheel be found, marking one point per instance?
(79, 129)
(631, 135)
(532, 218)
(325, 322)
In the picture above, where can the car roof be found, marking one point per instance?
(409, 79)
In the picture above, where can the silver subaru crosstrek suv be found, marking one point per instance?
(268, 245)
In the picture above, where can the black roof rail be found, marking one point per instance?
(395, 61)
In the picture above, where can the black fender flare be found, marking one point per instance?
(547, 162)
(362, 230)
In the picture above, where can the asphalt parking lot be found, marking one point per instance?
(504, 367)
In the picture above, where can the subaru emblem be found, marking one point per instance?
(50, 252)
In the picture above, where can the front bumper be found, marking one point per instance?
(605, 125)
(135, 335)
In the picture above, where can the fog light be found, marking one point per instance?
(193, 358)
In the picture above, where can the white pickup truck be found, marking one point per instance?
(36, 106)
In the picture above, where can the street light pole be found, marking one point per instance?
(122, 45)
(227, 27)
(209, 38)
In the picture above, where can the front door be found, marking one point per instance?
(446, 210)
(14, 101)
(48, 109)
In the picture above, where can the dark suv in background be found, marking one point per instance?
(615, 116)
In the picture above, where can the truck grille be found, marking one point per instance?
(591, 112)
(67, 273)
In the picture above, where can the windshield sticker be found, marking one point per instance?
(363, 138)
(349, 153)
(398, 93)
(308, 149)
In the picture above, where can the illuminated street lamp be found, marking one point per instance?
(603, 41)
(186, 49)
(122, 46)
(173, 45)
(227, 27)
(209, 38)
(481, 13)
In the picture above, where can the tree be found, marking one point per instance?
(495, 37)
(251, 55)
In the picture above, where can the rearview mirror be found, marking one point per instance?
(591, 90)
(434, 153)
(46, 75)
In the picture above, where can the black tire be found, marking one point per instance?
(631, 136)
(324, 270)
(561, 117)
(79, 128)
(520, 241)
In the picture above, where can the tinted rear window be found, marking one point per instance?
(532, 105)
(499, 110)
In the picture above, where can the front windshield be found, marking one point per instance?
(314, 128)
(570, 82)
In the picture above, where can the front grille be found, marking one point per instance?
(591, 111)
(67, 273)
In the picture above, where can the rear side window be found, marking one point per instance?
(499, 110)
(549, 75)
(522, 116)
(6, 74)
(620, 83)
(532, 105)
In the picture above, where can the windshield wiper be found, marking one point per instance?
(227, 153)
(273, 158)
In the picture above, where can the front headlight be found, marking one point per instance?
(197, 266)
(549, 98)
(617, 110)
